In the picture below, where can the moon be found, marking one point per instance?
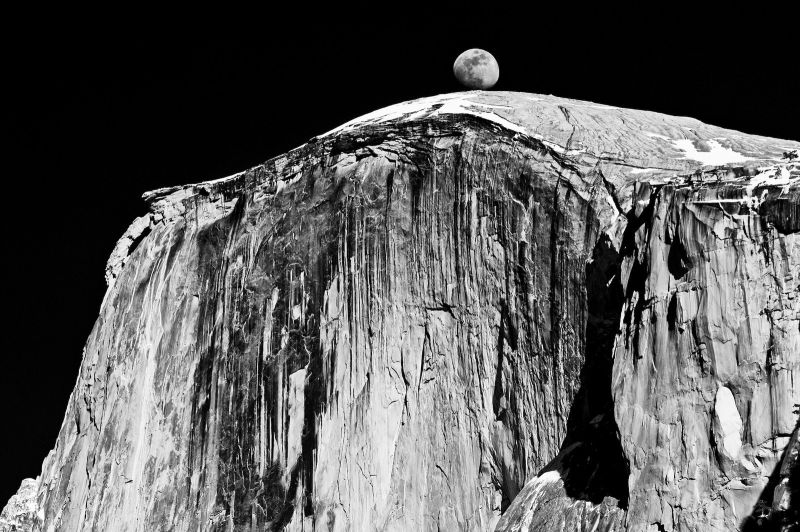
(476, 69)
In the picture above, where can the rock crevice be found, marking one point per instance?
(471, 312)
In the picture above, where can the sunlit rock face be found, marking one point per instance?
(475, 311)
(20, 513)
(706, 362)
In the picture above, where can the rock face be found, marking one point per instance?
(476, 305)
(778, 508)
(20, 513)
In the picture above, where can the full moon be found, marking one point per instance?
(476, 69)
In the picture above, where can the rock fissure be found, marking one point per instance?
(446, 316)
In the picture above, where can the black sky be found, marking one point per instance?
(101, 113)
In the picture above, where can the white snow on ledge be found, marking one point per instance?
(447, 104)
(457, 103)
(716, 156)
(656, 135)
(776, 175)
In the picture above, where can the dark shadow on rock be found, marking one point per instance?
(591, 462)
(678, 261)
(768, 515)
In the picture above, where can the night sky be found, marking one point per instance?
(100, 114)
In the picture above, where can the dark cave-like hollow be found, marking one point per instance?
(765, 517)
(591, 462)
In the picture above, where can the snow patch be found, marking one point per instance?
(392, 112)
(645, 170)
(779, 175)
(716, 156)
(727, 424)
(467, 107)
(656, 135)
(553, 146)
(443, 104)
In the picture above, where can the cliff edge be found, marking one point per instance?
(475, 311)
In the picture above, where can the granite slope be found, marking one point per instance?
(472, 311)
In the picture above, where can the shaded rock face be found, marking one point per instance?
(461, 308)
(706, 365)
(778, 507)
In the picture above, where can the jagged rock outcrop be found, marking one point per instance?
(20, 513)
(476, 305)
(778, 508)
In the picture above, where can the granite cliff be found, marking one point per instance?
(476, 311)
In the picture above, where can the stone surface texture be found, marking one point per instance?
(476, 311)
(20, 514)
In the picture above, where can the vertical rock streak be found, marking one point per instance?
(719, 289)
(410, 325)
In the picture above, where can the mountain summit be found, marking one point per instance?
(475, 311)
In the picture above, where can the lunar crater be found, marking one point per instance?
(476, 69)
